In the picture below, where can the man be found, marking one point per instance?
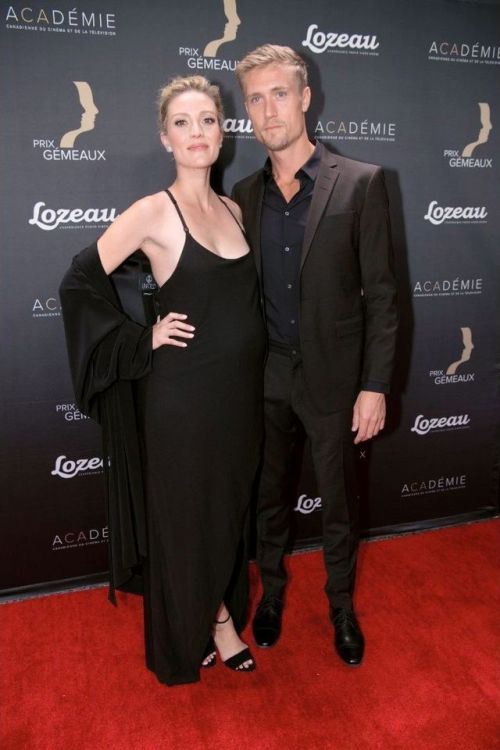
(318, 225)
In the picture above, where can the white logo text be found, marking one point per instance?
(436, 214)
(318, 41)
(423, 425)
(50, 218)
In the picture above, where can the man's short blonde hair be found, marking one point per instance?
(272, 54)
(180, 85)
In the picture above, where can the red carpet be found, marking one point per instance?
(73, 675)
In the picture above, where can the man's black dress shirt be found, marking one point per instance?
(282, 232)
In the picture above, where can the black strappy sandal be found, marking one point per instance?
(236, 662)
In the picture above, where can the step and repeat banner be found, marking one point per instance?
(413, 87)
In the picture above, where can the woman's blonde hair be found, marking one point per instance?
(180, 85)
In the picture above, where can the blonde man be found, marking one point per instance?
(319, 228)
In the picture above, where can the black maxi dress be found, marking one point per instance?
(200, 422)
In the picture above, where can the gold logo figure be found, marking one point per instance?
(467, 351)
(230, 29)
(88, 115)
(484, 133)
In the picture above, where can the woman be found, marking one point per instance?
(198, 375)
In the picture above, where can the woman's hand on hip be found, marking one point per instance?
(170, 328)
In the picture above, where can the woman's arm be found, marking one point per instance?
(127, 233)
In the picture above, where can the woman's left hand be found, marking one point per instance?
(172, 325)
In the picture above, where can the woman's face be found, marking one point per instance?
(192, 130)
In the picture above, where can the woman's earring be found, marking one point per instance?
(169, 149)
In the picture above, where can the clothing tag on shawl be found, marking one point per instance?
(147, 284)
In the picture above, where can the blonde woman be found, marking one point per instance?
(197, 395)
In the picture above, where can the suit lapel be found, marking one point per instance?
(323, 187)
(253, 215)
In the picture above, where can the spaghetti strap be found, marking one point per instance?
(181, 217)
(234, 217)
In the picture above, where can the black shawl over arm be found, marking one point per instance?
(107, 351)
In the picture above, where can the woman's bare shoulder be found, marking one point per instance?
(147, 212)
(152, 205)
(232, 206)
(135, 227)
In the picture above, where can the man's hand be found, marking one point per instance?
(368, 416)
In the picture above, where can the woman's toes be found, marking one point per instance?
(208, 659)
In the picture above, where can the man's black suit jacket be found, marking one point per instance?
(348, 315)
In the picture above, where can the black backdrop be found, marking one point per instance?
(411, 86)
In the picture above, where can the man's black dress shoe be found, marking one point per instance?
(266, 624)
(349, 641)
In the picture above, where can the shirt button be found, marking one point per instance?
(292, 321)
(287, 249)
(294, 351)
(288, 286)
(287, 213)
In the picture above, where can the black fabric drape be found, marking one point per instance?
(107, 352)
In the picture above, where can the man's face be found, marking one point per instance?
(275, 105)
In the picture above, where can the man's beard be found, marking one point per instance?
(277, 142)
(277, 145)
